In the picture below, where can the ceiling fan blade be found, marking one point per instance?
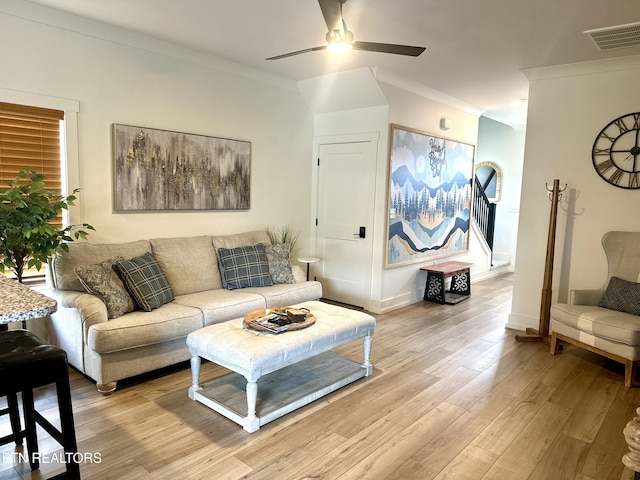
(332, 13)
(291, 54)
(389, 48)
(338, 33)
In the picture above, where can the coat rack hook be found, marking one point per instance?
(559, 191)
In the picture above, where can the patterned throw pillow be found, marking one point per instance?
(280, 263)
(102, 281)
(622, 295)
(146, 281)
(245, 266)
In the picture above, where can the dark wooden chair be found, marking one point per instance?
(26, 363)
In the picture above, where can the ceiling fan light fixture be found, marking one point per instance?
(339, 47)
(339, 41)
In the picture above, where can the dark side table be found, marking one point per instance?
(460, 288)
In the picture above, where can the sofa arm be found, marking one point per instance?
(585, 297)
(92, 310)
(298, 274)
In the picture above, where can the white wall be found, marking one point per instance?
(504, 146)
(403, 285)
(390, 101)
(568, 106)
(119, 77)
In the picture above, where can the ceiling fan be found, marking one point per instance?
(339, 39)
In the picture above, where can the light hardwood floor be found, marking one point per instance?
(453, 396)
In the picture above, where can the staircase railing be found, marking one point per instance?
(484, 212)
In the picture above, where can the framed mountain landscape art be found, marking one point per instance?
(164, 170)
(430, 181)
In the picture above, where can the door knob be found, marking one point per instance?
(362, 233)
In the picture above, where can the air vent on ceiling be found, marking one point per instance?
(620, 36)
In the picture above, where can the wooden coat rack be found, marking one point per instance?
(542, 333)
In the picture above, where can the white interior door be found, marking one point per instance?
(346, 175)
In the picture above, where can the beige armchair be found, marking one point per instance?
(606, 320)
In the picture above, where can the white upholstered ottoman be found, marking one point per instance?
(290, 369)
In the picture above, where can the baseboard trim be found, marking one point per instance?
(394, 303)
(416, 296)
(520, 322)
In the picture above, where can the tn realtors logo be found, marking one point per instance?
(55, 457)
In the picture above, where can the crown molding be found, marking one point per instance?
(583, 68)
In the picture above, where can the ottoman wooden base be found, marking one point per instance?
(280, 392)
(275, 374)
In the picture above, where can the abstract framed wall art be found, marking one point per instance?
(165, 170)
(429, 201)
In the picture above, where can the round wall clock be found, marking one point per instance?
(616, 152)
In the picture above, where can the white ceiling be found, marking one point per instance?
(476, 49)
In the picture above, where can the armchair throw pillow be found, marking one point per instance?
(622, 295)
(245, 266)
(146, 281)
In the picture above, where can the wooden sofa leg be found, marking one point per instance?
(107, 388)
(630, 370)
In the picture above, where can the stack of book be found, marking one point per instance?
(271, 323)
(279, 320)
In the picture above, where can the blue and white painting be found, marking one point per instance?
(429, 196)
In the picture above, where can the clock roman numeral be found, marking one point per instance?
(634, 180)
(636, 121)
(616, 176)
(621, 125)
(604, 166)
(602, 151)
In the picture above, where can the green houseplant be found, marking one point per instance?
(27, 235)
(284, 234)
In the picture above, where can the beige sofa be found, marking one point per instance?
(108, 350)
(606, 320)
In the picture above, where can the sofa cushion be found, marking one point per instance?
(285, 295)
(146, 282)
(241, 239)
(138, 328)
(245, 266)
(63, 263)
(101, 280)
(189, 263)
(622, 295)
(221, 305)
(278, 256)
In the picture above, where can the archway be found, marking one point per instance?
(490, 177)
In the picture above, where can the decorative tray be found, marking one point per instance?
(260, 320)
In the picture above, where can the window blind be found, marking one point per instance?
(30, 138)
